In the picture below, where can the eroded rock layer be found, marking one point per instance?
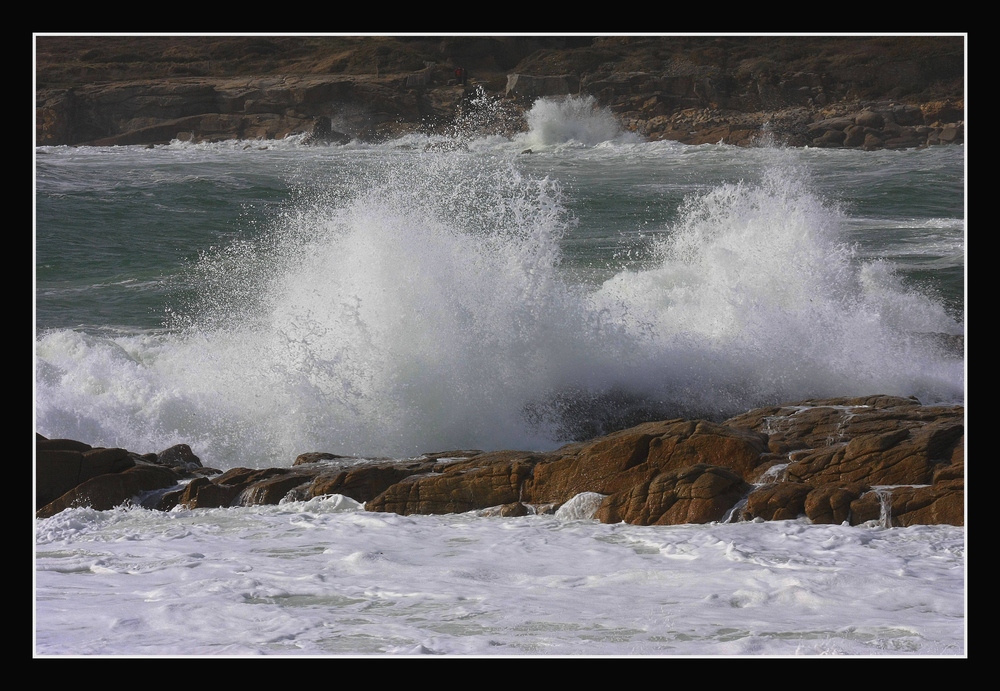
(876, 458)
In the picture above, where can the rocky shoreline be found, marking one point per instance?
(850, 459)
(855, 460)
(862, 93)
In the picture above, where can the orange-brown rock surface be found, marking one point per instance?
(700, 493)
(877, 458)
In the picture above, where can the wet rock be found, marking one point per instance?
(481, 482)
(697, 494)
(623, 459)
(777, 502)
(904, 506)
(323, 133)
(271, 490)
(893, 457)
(110, 490)
(869, 119)
(316, 457)
(832, 503)
(834, 460)
(515, 508)
(364, 483)
(179, 455)
(201, 493)
(63, 464)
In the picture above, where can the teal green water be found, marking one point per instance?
(264, 299)
(115, 228)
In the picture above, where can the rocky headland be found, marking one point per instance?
(865, 92)
(855, 460)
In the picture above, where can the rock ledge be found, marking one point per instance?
(856, 460)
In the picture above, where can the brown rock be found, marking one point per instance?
(62, 464)
(777, 502)
(247, 476)
(158, 88)
(270, 490)
(112, 489)
(100, 461)
(943, 502)
(624, 459)
(514, 509)
(202, 493)
(57, 471)
(364, 483)
(952, 134)
(838, 123)
(909, 115)
(953, 471)
(828, 452)
(820, 422)
(855, 136)
(606, 465)
(873, 142)
(179, 455)
(831, 503)
(697, 494)
(869, 506)
(223, 490)
(842, 447)
(905, 506)
(488, 480)
(315, 457)
(530, 86)
(830, 138)
(43, 444)
(942, 112)
(907, 456)
(877, 440)
(867, 118)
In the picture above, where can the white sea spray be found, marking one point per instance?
(409, 300)
(414, 298)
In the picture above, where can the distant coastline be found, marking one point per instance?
(845, 92)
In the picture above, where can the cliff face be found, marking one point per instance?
(147, 90)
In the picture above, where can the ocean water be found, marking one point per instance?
(258, 300)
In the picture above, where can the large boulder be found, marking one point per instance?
(63, 464)
(904, 506)
(777, 501)
(863, 456)
(907, 455)
(832, 503)
(112, 489)
(624, 459)
(488, 480)
(365, 482)
(696, 494)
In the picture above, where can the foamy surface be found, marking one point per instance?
(326, 578)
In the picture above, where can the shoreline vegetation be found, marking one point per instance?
(865, 92)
